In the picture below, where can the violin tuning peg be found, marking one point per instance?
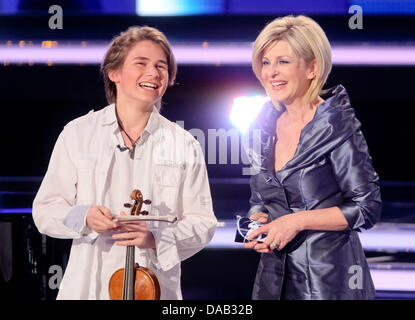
(144, 213)
(147, 201)
(127, 205)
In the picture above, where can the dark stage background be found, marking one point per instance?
(38, 99)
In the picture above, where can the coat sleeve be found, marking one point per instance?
(54, 211)
(358, 181)
(197, 222)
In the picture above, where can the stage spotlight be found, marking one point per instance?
(178, 7)
(245, 109)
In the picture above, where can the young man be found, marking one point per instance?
(101, 157)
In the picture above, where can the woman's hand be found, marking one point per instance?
(134, 234)
(279, 232)
(99, 219)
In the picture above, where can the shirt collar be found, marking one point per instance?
(110, 118)
(153, 122)
(109, 115)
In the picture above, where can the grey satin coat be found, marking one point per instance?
(331, 167)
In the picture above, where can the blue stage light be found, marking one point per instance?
(178, 7)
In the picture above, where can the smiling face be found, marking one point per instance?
(285, 76)
(143, 77)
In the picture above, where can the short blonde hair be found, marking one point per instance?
(121, 45)
(308, 41)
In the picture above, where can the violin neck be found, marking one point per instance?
(129, 274)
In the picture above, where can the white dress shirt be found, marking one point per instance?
(87, 168)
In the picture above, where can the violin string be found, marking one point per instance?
(129, 275)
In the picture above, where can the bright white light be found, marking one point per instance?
(245, 109)
(177, 7)
(156, 7)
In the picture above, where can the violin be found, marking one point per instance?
(134, 282)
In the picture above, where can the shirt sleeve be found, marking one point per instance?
(196, 224)
(54, 211)
(358, 181)
(76, 220)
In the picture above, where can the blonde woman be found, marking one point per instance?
(101, 157)
(315, 186)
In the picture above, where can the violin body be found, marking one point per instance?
(146, 285)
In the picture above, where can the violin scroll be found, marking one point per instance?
(137, 196)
